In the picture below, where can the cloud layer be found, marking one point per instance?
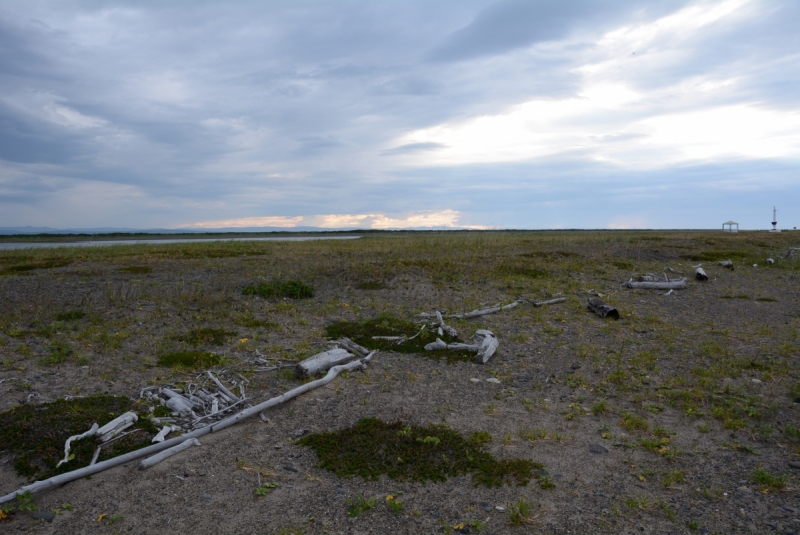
(510, 114)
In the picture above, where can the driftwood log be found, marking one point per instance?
(167, 453)
(602, 309)
(60, 479)
(499, 307)
(726, 263)
(485, 346)
(323, 362)
(672, 285)
(700, 274)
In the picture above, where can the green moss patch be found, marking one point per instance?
(44, 264)
(371, 285)
(278, 288)
(59, 352)
(521, 270)
(362, 332)
(190, 359)
(72, 315)
(713, 256)
(740, 296)
(36, 434)
(206, 336)
(137, 270)
(414, 453)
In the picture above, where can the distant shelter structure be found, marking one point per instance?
(728, 226)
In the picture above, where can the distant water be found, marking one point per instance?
(98, 243)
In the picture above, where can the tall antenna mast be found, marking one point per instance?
(774, 219)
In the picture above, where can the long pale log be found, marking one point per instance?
(323, 362)
(602, 309)
(673, 285)
(726, 263)
(331, 375)
(158, 457)
(60, 479)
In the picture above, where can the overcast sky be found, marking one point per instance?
(390, 114)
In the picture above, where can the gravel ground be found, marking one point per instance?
(563, 373)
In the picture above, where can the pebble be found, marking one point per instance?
(794, 464)
(340, 490)
(47, 516)
(290, 468)
(493, 380)
(597, 448)
(576, 366)
(475, 380)
(500, 508)
(206, 496)
(570, 372)
(757, 381)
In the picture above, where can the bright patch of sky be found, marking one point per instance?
(361, 114)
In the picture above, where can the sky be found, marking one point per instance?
(512, 114)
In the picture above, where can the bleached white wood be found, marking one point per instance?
(330, 376)
(323, 362)
(673, 285)
(67, 445)
(488, 345)
(60, 479)
(167, 453)
(222, 388)
(726, 263)
(166, 430)
(700, 274)
(352, 347)
(116, 426)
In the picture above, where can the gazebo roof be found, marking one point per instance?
(730, 223)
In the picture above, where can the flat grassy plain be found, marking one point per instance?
(680, 417)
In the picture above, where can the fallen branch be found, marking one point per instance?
(700, 274)
(602, 309)
(158, 457)
(726, 263)
(672, 285)
(222, 388)
(323, 362)
(60, 479)
(498, 307)
(67, 445)
(484, 349)
(116, 426)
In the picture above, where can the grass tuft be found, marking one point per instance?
(278, 289)
(206, 336)
(190, 359)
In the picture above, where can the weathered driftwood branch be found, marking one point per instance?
(166, 430)
(323, 362)
(700, 274)
(672, 285)
(444, 328)
(222, 388)
(352, 347)
(488, 345)
(67, 445)
(726, 263)
(484, 349)
(158, 457)
(116, 426)
(60, 479)
(498, 307)
(602, 309)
